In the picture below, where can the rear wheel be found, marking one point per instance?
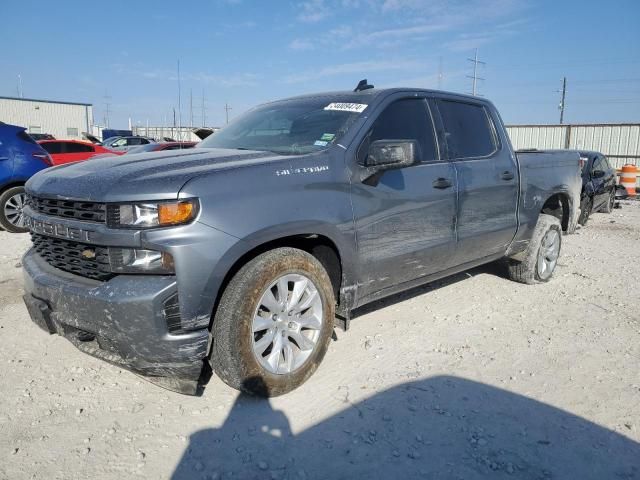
(541, 257)
(608, 207)
(274, 322)
(12, 202)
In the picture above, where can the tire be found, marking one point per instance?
(529, 270)
(235, 356)
(11, 201)
(586, 205)
(608, 207)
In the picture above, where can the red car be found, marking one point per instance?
(159, 147)
(68, 151)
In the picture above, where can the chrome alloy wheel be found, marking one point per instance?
(13, 209)
(548, 254)
(287, 324)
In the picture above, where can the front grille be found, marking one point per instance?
(73, 257)
(85, 211)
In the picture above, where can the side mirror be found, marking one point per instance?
(390, 154)
(597, 174)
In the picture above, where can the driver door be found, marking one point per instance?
(405, 222)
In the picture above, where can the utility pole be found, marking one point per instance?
(107, 104)
(20, 91)
(204, 118)
(440, 74)
(564, 92)
(191, 107)
(475, 76)
(226, 109)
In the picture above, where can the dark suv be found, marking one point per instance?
(20, 158)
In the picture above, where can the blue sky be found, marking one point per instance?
(246, 52)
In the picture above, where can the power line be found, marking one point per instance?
(107, 105)
(475, 76)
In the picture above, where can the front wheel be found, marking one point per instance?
(541, 257)
(12, 202)
(586, 205)
(274, 322)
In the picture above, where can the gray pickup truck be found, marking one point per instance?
(244, 253)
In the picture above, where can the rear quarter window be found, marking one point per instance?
(468, 129)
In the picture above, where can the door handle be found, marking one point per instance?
(441, 183)
(506, 175)
(4, 158)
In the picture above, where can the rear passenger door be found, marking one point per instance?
(487, 179)
(404, 223)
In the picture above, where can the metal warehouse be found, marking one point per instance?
(620, 142)
(60, 119)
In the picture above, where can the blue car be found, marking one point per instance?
(20, 158)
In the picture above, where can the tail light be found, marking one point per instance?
(44, 157)
(583, 162)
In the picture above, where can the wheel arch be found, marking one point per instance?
(559, 205)
(317, 242)
(11, 184)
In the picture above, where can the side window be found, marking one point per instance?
(77, 148)
(468, 129)
(52, 147)
(597, 164)
(121, 142)
(143, 141)
(407, 119)
(606, 164)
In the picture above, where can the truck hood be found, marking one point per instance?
(145, 176)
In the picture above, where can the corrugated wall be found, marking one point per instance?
(619, 142)
(183, 134)
(62, 120)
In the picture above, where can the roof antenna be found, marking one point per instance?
(362, 85)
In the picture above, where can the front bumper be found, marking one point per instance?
(120, 321)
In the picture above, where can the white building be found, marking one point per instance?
(63, 120)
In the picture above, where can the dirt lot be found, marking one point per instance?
(473, 377)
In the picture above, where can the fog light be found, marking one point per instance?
(135, 260)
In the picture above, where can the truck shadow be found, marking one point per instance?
(440, 427)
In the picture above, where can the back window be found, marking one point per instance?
(22, 135)
(468, 129)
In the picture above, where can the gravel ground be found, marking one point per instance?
(471, 377)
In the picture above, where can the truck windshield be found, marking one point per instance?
(288, 128)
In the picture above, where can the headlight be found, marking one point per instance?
(152, 214)
(136, 260)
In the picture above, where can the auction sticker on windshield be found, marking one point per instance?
(347, 107)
